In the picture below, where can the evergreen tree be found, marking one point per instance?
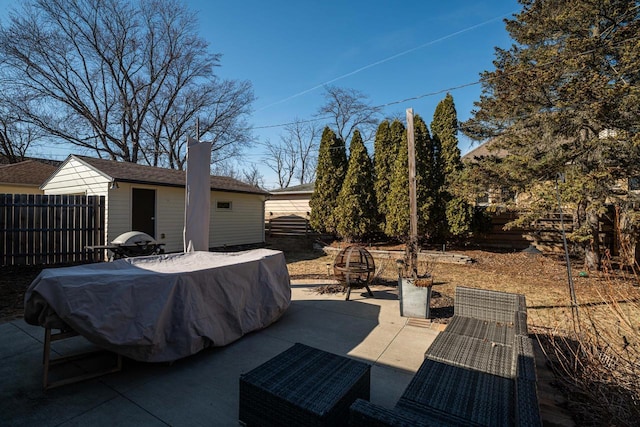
(385, 152)
(330, 171)
(444, 128)
(397, 218)
(426, 155)
(455, 213)
(427, 181)
(356, 213)
(565, 99)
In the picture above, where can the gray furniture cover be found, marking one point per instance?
(163, 307)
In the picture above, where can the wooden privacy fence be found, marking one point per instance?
(545, 233)
(288, 225)
(39, 229)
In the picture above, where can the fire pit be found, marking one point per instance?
(131, 244)
(353, 267)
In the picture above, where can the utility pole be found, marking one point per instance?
(412, 246)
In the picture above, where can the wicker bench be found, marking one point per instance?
(302, 386)
(479, 371)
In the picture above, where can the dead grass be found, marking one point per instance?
(543, 279)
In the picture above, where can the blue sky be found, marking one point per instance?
(403, 50)
(388, 50)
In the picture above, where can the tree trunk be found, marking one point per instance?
(626, 236)
(584, 219)
(592, 256)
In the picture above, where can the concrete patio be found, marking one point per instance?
(203, 389)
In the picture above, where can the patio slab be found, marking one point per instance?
(203, 389)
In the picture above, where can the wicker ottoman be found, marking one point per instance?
(303, 386)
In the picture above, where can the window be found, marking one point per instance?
(223, 206)
(483, 200)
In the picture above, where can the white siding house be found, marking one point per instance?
(152, 200)
(291, 201)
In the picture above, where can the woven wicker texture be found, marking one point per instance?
(472, 353)
(522, 302)
(501, 333)
(303, 386)
(472, 395)
(436, 416)
(479, 371)
(486, 305)
(367, 414)
(521, 323)
(524, 362)
(528, 413)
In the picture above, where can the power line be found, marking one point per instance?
(452, 88)
(390, 58)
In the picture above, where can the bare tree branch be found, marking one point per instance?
(126, 80)
(348, 110)
(295, 155)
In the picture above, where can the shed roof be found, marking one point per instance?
(28, 172)
(296, 189)
(143, 174)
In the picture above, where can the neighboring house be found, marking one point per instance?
(492, 196)
(25, 177)
(544, 232)
(289, 201)
(152, 200)
(287, 211)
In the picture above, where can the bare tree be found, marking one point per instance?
(16, 136)
(304, 136)
(250, 176)
(253, 176)
(219, 109)
(283, 160)
(296, 154)
(123, 79)
(349, 109)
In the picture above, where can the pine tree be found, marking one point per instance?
(356, 213)
(385, 152)
(397, 218)
(456, 214)
(330, 171)
(565, 99)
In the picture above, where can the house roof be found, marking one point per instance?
(296, 189)
(143, 174)
(28, 172)
(484, 150)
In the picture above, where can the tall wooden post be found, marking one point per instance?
(412, 245)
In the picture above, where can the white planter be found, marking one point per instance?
(415, 300)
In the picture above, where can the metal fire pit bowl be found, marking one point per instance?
(353, 267)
